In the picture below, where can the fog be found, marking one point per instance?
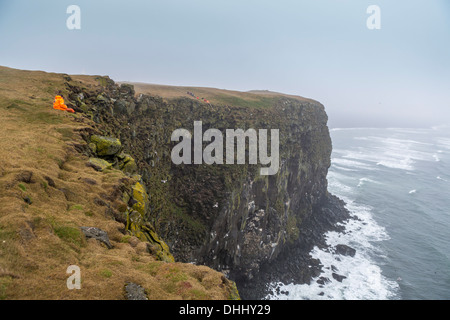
(395, 76)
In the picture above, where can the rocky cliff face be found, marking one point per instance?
(228, 217)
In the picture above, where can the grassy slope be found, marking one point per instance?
(38, 241)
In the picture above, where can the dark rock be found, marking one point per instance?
(135, 292)
(338, 277)
(98, 164)
(50, 182)
(294, 264)
(120, 107)
(25, 176)
(345, 250)
(27, 200)
(106, 146)
(323, 280)
(126, 89)
(68, 194)
(100, 202)
(90, 181)
(98, 234)
(131, 107)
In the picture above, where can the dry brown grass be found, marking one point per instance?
(38, 241)
(256, 98)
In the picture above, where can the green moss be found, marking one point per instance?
(76, 207)
(129, 165)
(234, 293)
(141, 196)
(106, 146)
(106, 273)
(292, 229)
(69, 234)
(125, 239)
(89, 213)
(100, 164)
(22, 187)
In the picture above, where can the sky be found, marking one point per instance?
(395, 76)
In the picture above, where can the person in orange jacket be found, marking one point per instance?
(59, 105)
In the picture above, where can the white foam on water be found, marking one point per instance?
(364, 279)
(389, 152)
(342, 162)
(443, 143)
(439, 178)
(412, 191)
(334, 183)
(362, 181)
(436, 158)
(404, 164)
(335, 166)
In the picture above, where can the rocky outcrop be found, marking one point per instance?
(135, 292)
(134, 207)
(228, 217)
(97, 234)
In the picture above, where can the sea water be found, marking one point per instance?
(396, 183)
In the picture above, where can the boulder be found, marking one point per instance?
(106, 146)
(99, 164)
(345, 250)
(135, 292)
(128, 164)
(338, 277)
(126, 89)
(98, 234)
(120, 106)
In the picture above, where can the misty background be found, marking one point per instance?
(398, 76)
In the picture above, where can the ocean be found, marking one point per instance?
(396, 183)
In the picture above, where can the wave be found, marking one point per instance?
(362, 181)
(363, 279)
(343, 162)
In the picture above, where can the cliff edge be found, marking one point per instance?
(253, 228)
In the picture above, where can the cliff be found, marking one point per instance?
(250, 227)
(228, 217)
(60, 208)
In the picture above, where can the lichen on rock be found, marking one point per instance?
(99, 164)
(106, 146)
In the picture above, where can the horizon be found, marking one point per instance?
(395, 76)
